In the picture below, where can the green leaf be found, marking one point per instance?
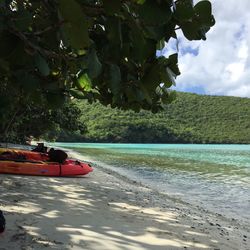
(140, 1)
(165, 97)
(161, 44)
(173, 64)
(201, 22)
(172, 96)
(167, 77)
(77, 94)
(75, 27)
(170, 31)
(153, 12)
(142, 48)
(156, 32)
(115, 79)
(42, 65)
(152, 78)
(83, 82)
(94, 65)
(204, 11)
(168, 96)
(191, 30)
(161, 72)
(184, 10)
(112, 6)
(195, 30)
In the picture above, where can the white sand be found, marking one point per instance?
(104, 211)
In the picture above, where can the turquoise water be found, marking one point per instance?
(215, 177)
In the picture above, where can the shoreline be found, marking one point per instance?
(103, 210)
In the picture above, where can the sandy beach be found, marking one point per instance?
(107, 211)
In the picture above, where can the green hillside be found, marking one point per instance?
(191, 118)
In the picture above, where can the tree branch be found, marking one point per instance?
(38, 33)
(42, 51)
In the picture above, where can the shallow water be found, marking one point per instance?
(215, 177)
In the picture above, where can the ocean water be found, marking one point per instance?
(214, 177)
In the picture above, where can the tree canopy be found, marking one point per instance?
(95, 49)
(31, 119)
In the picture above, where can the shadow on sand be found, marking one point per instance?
(88, 213)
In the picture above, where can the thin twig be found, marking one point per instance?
(38, 33)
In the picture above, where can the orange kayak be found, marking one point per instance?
(16, 161)
(68, 168)
(29, 155)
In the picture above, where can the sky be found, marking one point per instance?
(221, 64)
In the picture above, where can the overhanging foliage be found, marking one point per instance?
(96, 50)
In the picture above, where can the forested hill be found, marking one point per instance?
(191, 118)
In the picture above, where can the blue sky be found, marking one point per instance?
(221, 64)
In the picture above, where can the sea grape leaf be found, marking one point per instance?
(142, 48)
(204, 10)
(77, 94)
(153, 12)
(167, 77)
(75, 27)
(161, 44)
(184, 10)
(170, 31)
(168, 96)
(155, 32)
(94, 65)
(190, 30)
(173, 64)
(201, 22)
(42, 65)
(140, 1)
(83, 82)
(152, 78)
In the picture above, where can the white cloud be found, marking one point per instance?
(222, 65)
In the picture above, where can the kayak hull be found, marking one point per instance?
(69, 168)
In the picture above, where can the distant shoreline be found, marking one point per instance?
(189, 119)
(150, 143)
